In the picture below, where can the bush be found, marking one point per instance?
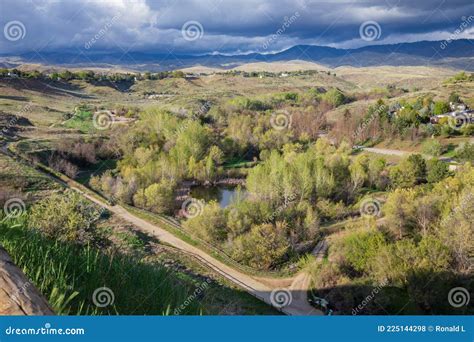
(263, 247)
(432, 147)
(437, 170)
(360, 248)
(210, 224)
(334, 97)
(66, 217)
(465, 152)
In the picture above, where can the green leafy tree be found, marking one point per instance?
(159, 197)
(210, 224)
(437, 170)
(440, 107)
(263, 247)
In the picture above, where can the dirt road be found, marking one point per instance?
(262, 288)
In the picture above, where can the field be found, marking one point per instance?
(328, 169)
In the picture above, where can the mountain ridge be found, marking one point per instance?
(455, 54)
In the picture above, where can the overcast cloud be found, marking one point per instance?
(227, 25)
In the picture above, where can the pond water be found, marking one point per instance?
(222, 194)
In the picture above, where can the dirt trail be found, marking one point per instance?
(259, 287)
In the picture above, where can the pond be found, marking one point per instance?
(222, 194)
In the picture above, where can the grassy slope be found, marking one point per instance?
(64, 271)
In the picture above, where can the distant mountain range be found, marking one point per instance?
(456, 54)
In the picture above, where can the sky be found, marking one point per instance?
(225, 26)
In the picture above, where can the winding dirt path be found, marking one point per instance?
(265, 289)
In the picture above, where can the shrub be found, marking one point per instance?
(263, 247)
(432, 147)
(66, 217)
(465, 152)
(437, 170)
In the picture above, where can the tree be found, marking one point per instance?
(160, 196)
(376, 177)
(465, 152)
(456, 229)
(426, 212)
(399, 211)
(437, 170)
(358, 170)
(440, 107)
(263, 247)
(334, 97)
(210, 224)
(419, 165)
(402, 175)
(360, 247)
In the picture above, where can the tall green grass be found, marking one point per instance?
(68, 275)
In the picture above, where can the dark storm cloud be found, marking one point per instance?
(228, 25)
